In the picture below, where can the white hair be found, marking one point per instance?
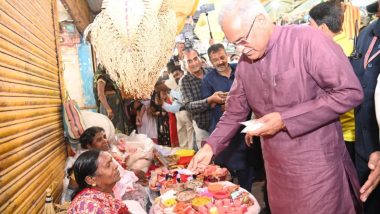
(244, 8)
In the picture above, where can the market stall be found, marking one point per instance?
(174, 189)
(182, 191)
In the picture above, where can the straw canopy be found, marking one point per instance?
(134, 45)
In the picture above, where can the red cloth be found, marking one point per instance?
(173, 128)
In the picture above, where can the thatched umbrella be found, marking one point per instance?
(134, 41)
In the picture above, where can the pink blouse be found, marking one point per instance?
(91, 200)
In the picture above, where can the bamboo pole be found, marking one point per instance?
(11, 49)
(30, 136)
(11, 62)
(7, 131)
(21, 18)
(21, 76)
(18, 40)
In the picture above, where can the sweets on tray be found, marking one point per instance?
(172, 157)
(193, 184)
(219, 198)
(186, 195)
(215, 173)
(163, 178)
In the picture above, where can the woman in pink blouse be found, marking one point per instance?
(96, 174)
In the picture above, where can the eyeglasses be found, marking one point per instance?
(241, 43)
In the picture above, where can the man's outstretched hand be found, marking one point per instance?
(201, 159)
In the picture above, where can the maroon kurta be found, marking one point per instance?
(307, 78)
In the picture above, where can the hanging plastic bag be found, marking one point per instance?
(136, 149)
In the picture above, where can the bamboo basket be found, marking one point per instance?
(134, 57)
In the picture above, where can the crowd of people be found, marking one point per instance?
(310, 87)
(298, 81)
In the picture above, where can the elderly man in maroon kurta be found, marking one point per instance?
(297, 82)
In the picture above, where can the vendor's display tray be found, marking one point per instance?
(211, 198)
(163, 179)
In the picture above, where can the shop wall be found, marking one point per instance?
(78, 69)
(87, 72)
(32, 151)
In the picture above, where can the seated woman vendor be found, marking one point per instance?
(95, 138)
(129, 187)
(96, 174)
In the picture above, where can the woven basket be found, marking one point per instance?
(135, 55)
(126, 15)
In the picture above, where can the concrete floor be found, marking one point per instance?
(257, 191)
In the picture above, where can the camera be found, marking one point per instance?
(188, 43)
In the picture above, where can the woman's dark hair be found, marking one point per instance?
(232, 56)
(171, 67)
(85, 165)
(160, 86)
(88, 136)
